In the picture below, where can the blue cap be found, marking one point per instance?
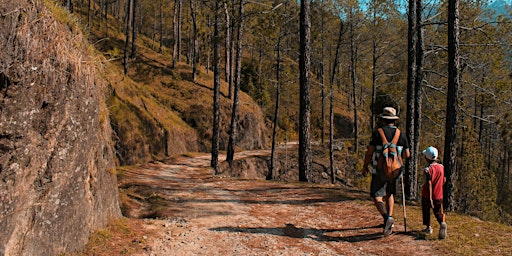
(431, 153)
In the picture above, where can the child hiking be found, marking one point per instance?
(383, 187)
(432, 192)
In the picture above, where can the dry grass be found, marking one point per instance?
(121, 237)
(62, 15)
(466, 235)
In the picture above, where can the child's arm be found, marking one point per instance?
(444, 177)
(406, 153)
(430, 194)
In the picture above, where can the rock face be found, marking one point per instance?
(56, 155)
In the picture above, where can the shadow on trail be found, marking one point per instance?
(322, 235)
(163, 191)
(269, 196)
(417, 235)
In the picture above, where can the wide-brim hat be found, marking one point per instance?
(389, 113)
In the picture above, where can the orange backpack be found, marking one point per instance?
(390, 162)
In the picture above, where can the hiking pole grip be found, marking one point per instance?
(403, 203)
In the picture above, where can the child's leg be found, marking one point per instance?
(441, 217)
(438, 211)
(425, 208)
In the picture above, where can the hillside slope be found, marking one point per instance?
(158, 111)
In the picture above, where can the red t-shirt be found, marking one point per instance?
(435, 173)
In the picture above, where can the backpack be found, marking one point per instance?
(389, 162)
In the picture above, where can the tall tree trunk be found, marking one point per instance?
(331, 132)
(481, 126)
(176, 54)
(232, 50)
(208, 49)
(134, 29)
(68, 4)
(489, 146)
(375, 58)
(411, 82)
(190, 47)
(507, 165)
(331, 104)
(374, 84)
(105, 17)
(272, 171)
(128, 28)
(305, 98)
(322, 81)
(154, 29)
(322, 74)
(450, 145)
(227, 70)
(216, 91)
(417, 98)
(460, 163)
(89, 16)
(234, 111)
(161, 41)
(501, 181)
(353, 77)
(475, 106)
(180, 25)
(100, 17)
(117, 9)
(195, 48)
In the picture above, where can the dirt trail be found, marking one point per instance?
(201, 214)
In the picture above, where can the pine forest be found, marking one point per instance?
(322, 71)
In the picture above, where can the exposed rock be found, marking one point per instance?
(256, 165)
(251, 130)
(55, 148)
(247, 168)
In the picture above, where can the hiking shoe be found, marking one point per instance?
(388, 228)
(427, 230)
(442, 230)
(383, 225)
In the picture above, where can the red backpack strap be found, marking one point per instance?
(382, 136)
(397, 136)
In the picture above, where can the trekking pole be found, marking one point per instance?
(403, 204)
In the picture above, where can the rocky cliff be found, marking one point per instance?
(56, 157)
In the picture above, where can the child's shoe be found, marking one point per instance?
(427, 230)
(442, 230)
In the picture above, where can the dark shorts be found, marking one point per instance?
(381, 186)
